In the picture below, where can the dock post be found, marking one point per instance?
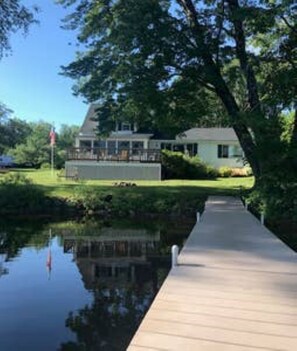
(174, 254)
(198, 216)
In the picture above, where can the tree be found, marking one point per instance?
(159, 60)
(4, 113)
(33, 147)
(13, 17)
(65, 140)
(13, 131)
(36, 149)
(66, 136)
(152, 57)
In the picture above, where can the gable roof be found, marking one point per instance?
(88, 127)
(217, 134)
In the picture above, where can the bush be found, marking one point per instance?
(176, 165)
(277, 199)
(15, 179)
(130, 202)
(225, 172)
(249, 171)
(25, 198)
(240, 172)
(45, 165)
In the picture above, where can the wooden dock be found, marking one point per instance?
(235, 289)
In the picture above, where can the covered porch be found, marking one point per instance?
(114, 154)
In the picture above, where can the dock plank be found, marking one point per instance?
(235, 289)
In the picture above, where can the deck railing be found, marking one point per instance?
(116, 155)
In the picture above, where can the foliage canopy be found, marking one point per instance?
(172, 62)
(13, 17)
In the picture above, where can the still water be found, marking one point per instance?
(72, 286)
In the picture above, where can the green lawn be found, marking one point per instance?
(57, 186)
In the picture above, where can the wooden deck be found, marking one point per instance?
(234, 290)
(114, 155)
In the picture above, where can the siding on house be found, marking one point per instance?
(208, 140)
(208, 152)
(218, 147)
(113, 170)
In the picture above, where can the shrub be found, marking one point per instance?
(45, 165)
(239, 172)
(225, 172)
(276, 198)
(212, 173)
(249, 171)
(129, 202)
(24, 198)
(89, 198)
(15, 179)
(176, 165)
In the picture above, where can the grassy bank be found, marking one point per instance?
(52, 195)
(103, 198)
(61, 187)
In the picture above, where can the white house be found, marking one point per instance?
(128, 154)
(124, 137)
(219, 147)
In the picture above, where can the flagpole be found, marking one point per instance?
(52, 143)
(52, 158)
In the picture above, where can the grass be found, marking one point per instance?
(56, 186)
(100, 197)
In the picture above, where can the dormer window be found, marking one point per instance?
(126, 126)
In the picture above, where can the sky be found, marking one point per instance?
(30, 83)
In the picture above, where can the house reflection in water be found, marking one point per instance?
(116, 257)
(124, 268)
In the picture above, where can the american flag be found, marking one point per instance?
(52, 136)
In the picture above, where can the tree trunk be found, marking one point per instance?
(294, 132)
(215, 78)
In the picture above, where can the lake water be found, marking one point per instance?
(73, 286)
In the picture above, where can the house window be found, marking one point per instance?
(126, 126)
(166, 146)
(178, 148)
(124, 145)
(111, 147)
(136, 147)
(191, 149)
(100, 144)
(237, 151)
(223, 151)
(86, 145)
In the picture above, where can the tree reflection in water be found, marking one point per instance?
(124, 272)
(14, 235)
(122, 264)
(110, 321)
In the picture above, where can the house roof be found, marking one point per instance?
(216, 134)
(88, 127)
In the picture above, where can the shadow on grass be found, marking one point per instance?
(23, 170)
(199, 190)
